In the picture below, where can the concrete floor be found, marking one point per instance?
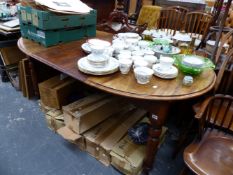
(28, 147)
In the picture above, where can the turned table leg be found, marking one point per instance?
(155, 130)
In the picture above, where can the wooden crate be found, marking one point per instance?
(90, 111)
(101, 139)
(11, 55)
(54, 92)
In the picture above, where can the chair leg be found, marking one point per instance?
(184, 171)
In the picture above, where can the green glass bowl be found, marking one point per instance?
(189, 70)
(186, 69)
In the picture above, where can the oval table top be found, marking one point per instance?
(64, 57)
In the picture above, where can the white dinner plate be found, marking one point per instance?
(85, 67)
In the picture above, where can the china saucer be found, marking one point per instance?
(86, 48)
(167, 73)
(85, 67)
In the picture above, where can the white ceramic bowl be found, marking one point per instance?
(98, 46)
(143, 74)
(99, 42)
(97, 62)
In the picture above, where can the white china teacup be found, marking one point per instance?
(143, 74)
(151, 59)
(109, 51)
(166, 62)
(131, 43)
(140, 63)
(124, 56)
(118, 47)
(125, 65)
(135, 57)
(143, 44)
(127, 52)
(138, 53)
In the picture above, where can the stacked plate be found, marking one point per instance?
(85, 67)
(193, 61)
(165, 72)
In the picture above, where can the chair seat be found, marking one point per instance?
(212, 156)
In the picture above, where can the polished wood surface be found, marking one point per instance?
(64, 58)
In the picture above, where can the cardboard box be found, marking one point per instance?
(43, 107)
(128, 157)
(72, 137)
(55, 119)
(54, 92)
(90, 111)
(101, 139)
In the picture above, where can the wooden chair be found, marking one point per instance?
(224, 85)
(197, 23)
(224, 82)
(212, 153)
(183, 10)
(170, 20)
(149, 15)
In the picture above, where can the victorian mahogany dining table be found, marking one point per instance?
(155, 97)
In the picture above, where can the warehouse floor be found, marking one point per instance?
(28, 147)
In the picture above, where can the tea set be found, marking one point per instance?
(127, 51)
